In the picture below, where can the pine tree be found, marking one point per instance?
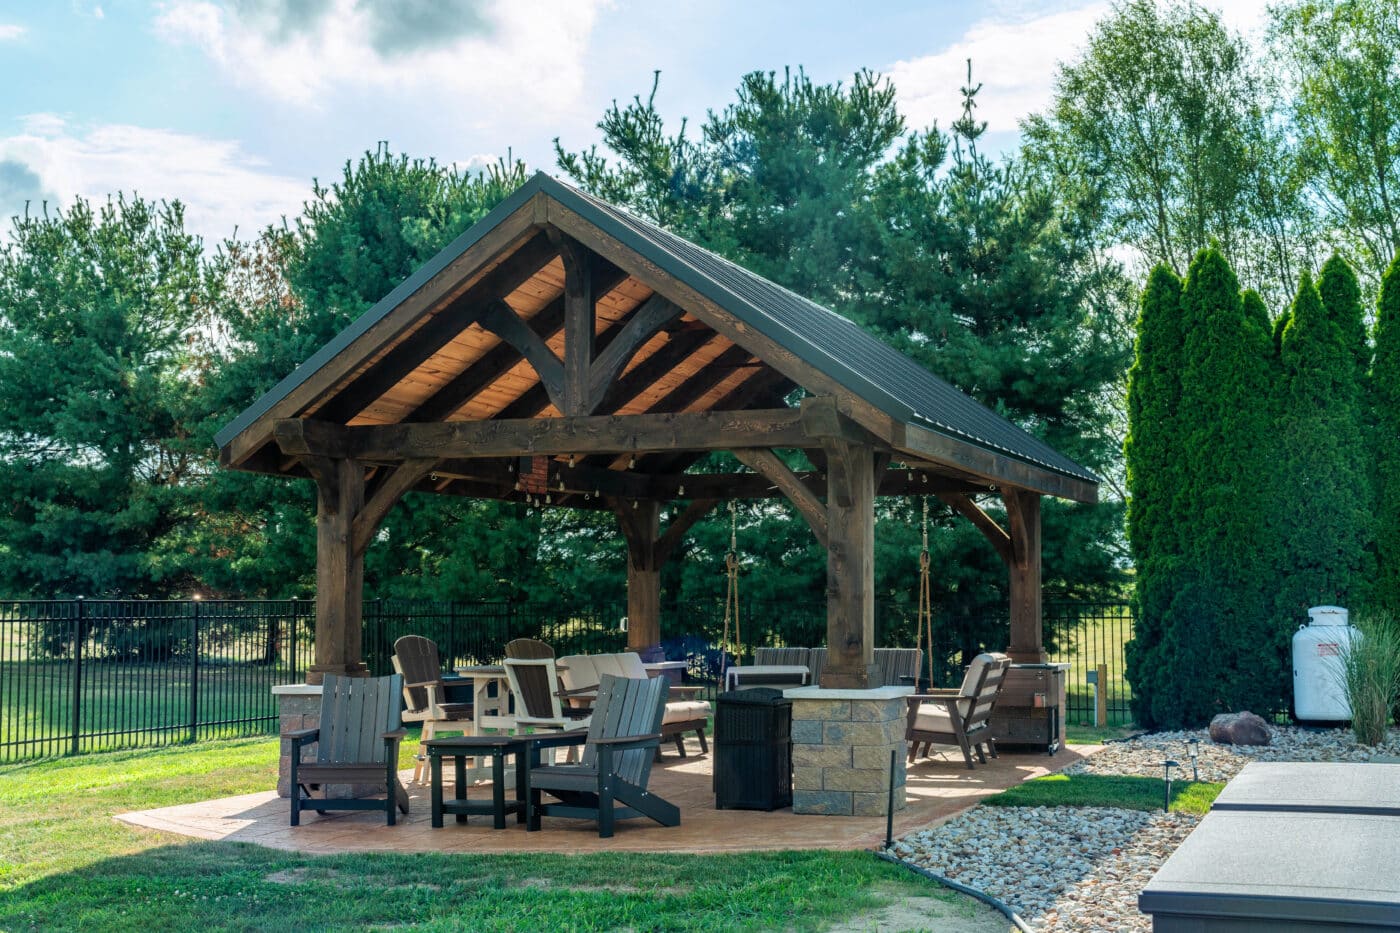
(100, 311)
(1216, 652)
(1322, 483)
(1152, 453)
(1385, 445)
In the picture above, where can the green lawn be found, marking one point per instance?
(66, 864)
(130, 704)
(1099, 790)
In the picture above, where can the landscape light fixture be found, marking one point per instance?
(1167, 795)
(1194, 747)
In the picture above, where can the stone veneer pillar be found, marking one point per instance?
(841, 745)
(298, 707)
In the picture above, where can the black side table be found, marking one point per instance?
(460, 748)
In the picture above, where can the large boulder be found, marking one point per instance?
(1243, 728)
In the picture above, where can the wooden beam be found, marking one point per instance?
(501, 319)
(1027, 636)
(675, 529)
(767, 464)
(680, 347)
(615, 434)
(340, 569)
(399, 481)
(850, 575)
(457, 277)
(655, 313)
(307, 437)
(580, 325)
(500, 359)
(418, 347)
(998, 468)
(640, 523)
(964, 506)
(771, 351)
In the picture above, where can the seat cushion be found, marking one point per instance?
(685, 711)
(933, 717)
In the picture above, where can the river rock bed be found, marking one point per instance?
(1081, 868)
(1059, 868)
(1143, 755)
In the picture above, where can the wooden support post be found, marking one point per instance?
(1023, 518)
(340, 568)
(641, 527)
(580, 325)
(850, 565)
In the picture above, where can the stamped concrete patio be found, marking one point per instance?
(937, 789)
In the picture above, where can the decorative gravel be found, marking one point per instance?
(1081, 868)
(1144, 755)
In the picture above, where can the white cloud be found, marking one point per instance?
(1015, 52)
(221, 185)
(10, 31)
(1013, 59)
(497, 56)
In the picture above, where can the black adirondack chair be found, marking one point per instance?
(356, 743)
(610, 781)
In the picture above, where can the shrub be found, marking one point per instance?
(1370, 673)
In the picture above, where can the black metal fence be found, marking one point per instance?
(87, 675)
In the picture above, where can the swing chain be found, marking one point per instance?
(923, 627)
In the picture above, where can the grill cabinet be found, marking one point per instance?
(1031, 707)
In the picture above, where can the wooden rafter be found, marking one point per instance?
(475, 379)
(414, 350)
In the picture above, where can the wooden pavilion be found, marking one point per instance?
(565, 351)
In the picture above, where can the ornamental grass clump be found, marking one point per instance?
(1371, 674)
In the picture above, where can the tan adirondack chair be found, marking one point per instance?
(610, 780)
(959, 717)
(356, 743)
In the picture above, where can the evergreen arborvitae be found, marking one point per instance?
(1322, 482)
(1152, 455)
(1385, 446)
(1216, 652)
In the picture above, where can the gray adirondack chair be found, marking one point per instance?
(610, 780)
(356, 743)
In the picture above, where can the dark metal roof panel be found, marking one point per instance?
(858, 360)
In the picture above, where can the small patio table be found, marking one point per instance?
(459, 749)
(765, 674)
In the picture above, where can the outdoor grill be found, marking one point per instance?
(753, 750)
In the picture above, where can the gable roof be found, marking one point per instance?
(857, 361)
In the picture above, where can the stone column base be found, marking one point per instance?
(841, 746)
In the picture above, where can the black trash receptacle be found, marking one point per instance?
(753, 750)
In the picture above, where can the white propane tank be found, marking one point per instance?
(1318, 692)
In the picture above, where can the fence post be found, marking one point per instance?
(77, 675)
(194, 672)
(296, 634)
(1101, 698)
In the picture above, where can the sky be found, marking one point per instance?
(235, 106)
